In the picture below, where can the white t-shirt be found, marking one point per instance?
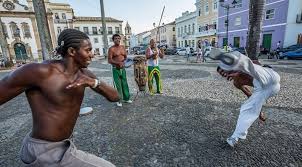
(188, 50)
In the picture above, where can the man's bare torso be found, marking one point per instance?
(118, 53)
(55, 109)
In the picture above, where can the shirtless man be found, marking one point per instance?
(55, 91)
(245, 72)
(116, 56)
(153, 54)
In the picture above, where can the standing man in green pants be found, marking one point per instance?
(116, 56)
(152, 55)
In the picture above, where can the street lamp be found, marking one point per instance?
(227, 7)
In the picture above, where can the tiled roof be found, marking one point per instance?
(107, 19)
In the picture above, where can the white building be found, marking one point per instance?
(21, 32)
(294, 22)
(186, 29)
(92, 26)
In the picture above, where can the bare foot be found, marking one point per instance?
(262, 117)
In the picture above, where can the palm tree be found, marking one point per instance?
(255, 26)
(43, 28)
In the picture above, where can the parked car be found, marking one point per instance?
(264, 51)
(292, 54)
(288, 49)
(181, 52)
(141, 52)
(170, 51)
(240, 49)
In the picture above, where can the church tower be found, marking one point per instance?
(128, 34)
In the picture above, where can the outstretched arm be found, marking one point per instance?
(18, 81)
(87, 78)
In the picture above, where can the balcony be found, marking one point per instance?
(61, 21)
(207, 30)
(299, 18)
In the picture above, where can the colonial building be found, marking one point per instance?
(207, 18)
(92, 26)
(186, 29)
(20, 30)
(280, 23)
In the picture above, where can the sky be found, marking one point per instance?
(141, 14)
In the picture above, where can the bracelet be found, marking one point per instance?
(96, 83)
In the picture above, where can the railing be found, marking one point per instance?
(60, 21)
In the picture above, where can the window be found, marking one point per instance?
(207, 7)
(189, 28)
(77, 28)
(94, 30)
(199, 12)
(96, 40)
(86, 30)
(237, 21)
(57, 16)
(185, 29)
(97, 51)
(225, 23)
(26, 30)
(215, 5)
(199, 29)
(182, 43)
(193, 43)
(59, 30)
(178, 43)
(193, 28)
(14, 29)
(178, 31)
(5, 30)
(101, 30)
(63, 16)
(182, 30)
(238, 4)
(117, 30)
(269, 14)
(110, 30)
(173, 29)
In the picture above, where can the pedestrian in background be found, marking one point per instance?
(188, 52)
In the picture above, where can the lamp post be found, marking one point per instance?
(105, 40)
(227, 7)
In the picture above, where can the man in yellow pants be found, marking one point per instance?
(152, 55)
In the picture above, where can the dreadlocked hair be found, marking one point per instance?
(70, 38)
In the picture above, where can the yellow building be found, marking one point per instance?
(207, 17)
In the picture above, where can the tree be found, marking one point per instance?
(256, 11)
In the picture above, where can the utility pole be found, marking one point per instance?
(3, 42)
(105, 40)
(227, 7)
(43, 28)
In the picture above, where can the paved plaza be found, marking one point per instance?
(186, 126)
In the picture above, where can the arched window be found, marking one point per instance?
(5, 30)
(26, 30)
(14, 29)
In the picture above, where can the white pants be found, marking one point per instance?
(268, 86)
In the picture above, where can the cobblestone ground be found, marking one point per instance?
(185, 127)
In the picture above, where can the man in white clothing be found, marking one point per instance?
(266, 83)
